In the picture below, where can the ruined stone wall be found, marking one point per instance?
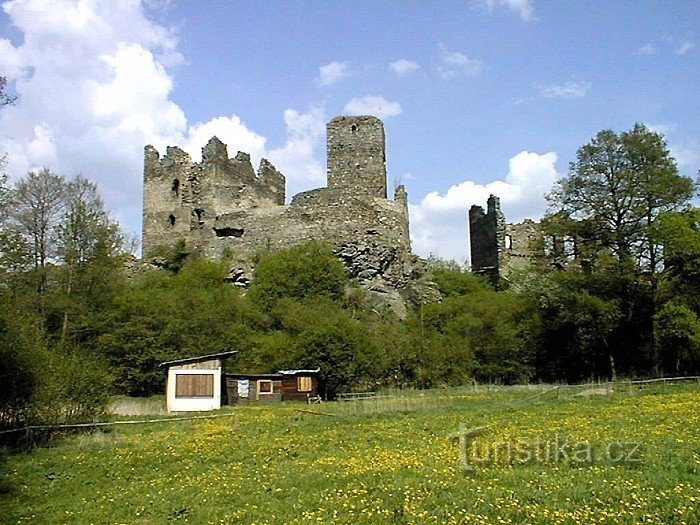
(222, 208)
(497, 248)
(523, 242)
(487, 238)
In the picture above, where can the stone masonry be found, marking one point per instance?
(498, 247)
(222, 208)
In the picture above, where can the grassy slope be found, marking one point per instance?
(276, 465)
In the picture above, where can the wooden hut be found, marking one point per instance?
(194, 383)
(285, 385)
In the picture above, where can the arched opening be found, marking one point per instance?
(176, 187)
(171, 219)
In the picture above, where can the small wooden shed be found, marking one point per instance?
(284, 385)
(194, 383)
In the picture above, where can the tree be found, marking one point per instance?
(5, 99)
(609, 202)
(678, 338)
(37, 204)
(679, 234)
(619, 185)
(87, 242)
(307, 270)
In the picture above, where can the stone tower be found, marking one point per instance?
(357, 156)
(487, 238)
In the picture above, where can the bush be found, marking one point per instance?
(307, 270)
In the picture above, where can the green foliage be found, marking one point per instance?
(172, 258)
(678, 338)
(43, 383)
(307, 270)
(618, 186)
(455, 282)
(166, 316)
(474, 332)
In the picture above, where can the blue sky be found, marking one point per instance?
(477, 97)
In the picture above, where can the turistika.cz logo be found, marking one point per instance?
(541, 449)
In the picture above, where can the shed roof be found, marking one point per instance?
(275, 375)
(299, 371)
(198, 358)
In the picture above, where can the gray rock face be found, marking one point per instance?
(223, 208)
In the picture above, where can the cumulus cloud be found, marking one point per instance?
(571, 89)
(332, 73)
(94, 88)
(686, 153)
(453, 63)
(646, 49)
(373, 105)
(403, 67)
(297, 158)
(684, 47)
(523, 7)
(439, 223)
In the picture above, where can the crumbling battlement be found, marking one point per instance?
(221, 207)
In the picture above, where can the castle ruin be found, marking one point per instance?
(498, 247)
(222, 208)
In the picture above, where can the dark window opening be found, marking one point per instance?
(199, 213)
(354, 128)
(171, 219)
(228, 232)
(176, 187)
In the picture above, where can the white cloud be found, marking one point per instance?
(661, 128)
(297, 158)
(373, 105)
(686, 153)
(332, 73)
(439, 222)
(523, 7)
(686, 46)
(646, 49)
(571, 89)
(403, 67)
(453, 63)
(94, 89)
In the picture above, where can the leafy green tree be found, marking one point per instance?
(610, 202)
(619, 184)
(38, 202)
(307, 270)
(342, 350)
(164, 316)
(678, 338)
(88, 244)
(679, 234)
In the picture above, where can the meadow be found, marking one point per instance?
(633, 456)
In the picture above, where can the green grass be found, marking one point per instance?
(384, 461)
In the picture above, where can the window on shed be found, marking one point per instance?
(304, 384)
(194, 385)
(264, 386)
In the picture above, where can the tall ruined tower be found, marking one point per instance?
(357, 156)
(487, 239)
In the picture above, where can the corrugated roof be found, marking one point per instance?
(198, 358)
(299, 371)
